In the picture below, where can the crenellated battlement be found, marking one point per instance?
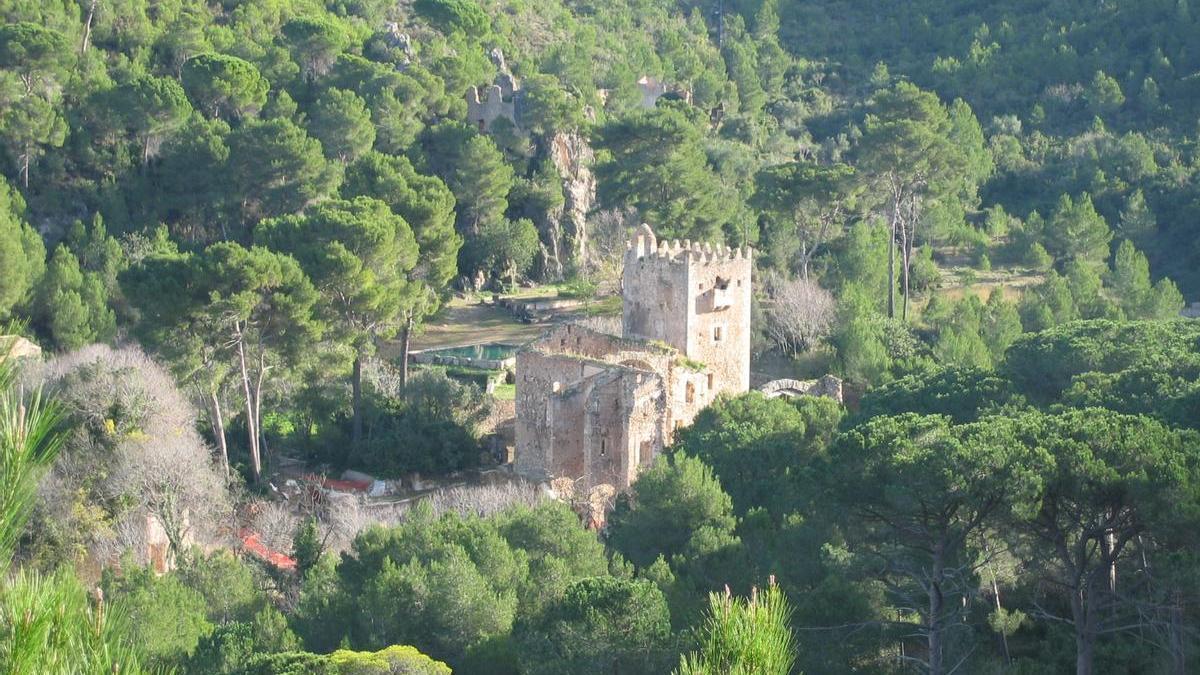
(644, 245)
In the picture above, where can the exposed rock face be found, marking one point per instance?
(573, 158)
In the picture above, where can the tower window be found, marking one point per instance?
(603, 447)
(717, 334)
(710, 381)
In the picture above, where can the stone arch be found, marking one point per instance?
(829, 386)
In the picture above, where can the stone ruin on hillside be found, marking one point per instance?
(497, 101)
(595, 408)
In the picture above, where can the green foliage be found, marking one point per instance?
(676, 508)
(598, 625)
(225, 86)
(315, 42)
(743, 636)
(806, 204)
(166, 617)
(152, 108)
(73, 303)
(275, 169)
(1075, 232)
(474, 170)
(546, 107)
(1137, 367)
(424, 202)
(1104, 94)
(450, 585)
(451, 16)
(55, 628)
(393, 659)
(506, 247)
(919, 490)
(52, 625)
(341, 121)
(227, 584)
(33, 49)
(232, 646)
(758, 446)
(1130, 279)
(961, 394)
(358, 255)
(306, 546)
(655, 161)
(429, 425)
(21, 252)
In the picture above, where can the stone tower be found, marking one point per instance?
(694, 297)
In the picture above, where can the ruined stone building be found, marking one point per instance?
(652, 89)
(596, 408)
(498, 101)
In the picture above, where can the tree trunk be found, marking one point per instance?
(1083, 616)
(905, 261)
(218, 423)
(936, 607)
(258, 388)
(87, 28)
(805, 259)
(1178, 656)
(405, 339)
(356, 403)
(892, 272)
(1000, 608)
(251, 420)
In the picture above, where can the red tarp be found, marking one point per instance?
(252, 543)
(340, 485)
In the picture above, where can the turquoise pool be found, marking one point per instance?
(492, 351)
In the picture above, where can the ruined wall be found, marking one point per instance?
(580, 342)
(644, 401)
(579, 393)
(494, 103)
(539, 377)
(691, 391)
